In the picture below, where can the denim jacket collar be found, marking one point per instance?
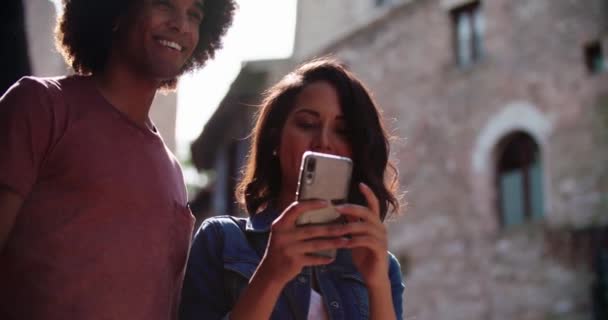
(224, 258)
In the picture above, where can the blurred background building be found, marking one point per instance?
(500, 109)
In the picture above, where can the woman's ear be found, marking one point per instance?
(274, 138)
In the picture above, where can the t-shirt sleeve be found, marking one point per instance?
(25, 134)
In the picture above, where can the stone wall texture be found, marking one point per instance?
(458, 261)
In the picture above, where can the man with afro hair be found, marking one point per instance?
(94, 222)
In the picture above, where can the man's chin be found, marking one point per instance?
(168, 76)
(169, 84)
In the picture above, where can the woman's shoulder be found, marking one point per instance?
(394, 265)
(227, 234)
(224, 221)
(392, 258)
(225, 228)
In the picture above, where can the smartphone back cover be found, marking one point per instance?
(330, 181)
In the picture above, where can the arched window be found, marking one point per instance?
(519, 180)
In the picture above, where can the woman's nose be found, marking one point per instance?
(322, 141)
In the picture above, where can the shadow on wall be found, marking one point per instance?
(581, 249)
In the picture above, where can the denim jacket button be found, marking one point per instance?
(302, 279)
(335, 304)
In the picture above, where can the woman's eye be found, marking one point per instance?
(306, 124)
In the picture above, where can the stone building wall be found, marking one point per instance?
(459, 263)
(321, 22)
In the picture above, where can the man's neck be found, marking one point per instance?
(129, 93)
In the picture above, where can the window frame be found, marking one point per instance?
(527, 159)
(468, 27)
(595, 61)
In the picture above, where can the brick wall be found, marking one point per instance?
(459, 262)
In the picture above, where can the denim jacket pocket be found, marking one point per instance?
(236, 278)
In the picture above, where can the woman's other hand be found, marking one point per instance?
(369, 238)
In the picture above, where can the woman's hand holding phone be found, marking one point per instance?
(291, 247)
(323, 176)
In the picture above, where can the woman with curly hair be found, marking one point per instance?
(93, 216)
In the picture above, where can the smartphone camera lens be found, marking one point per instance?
(310, 165)
(310, 169)
(309, 177)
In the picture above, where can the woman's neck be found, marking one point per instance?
(286, 198)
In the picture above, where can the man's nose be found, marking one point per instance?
(179, 20)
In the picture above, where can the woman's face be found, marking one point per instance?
(316, 123)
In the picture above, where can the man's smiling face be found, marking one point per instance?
(160, 36)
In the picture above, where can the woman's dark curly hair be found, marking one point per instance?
(261, 182)
(84, 32)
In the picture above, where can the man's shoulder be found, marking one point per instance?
(31, 86)
(25, 87)
(43, 82)
(25, 95)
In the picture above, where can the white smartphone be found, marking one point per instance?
(323, 176)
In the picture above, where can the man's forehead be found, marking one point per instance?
(197, 3)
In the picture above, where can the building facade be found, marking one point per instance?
(474, 88)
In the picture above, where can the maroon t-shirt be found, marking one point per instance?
(104, 230)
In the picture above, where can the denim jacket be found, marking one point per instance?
(223, 258)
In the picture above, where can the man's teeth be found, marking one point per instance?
(171, 44)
